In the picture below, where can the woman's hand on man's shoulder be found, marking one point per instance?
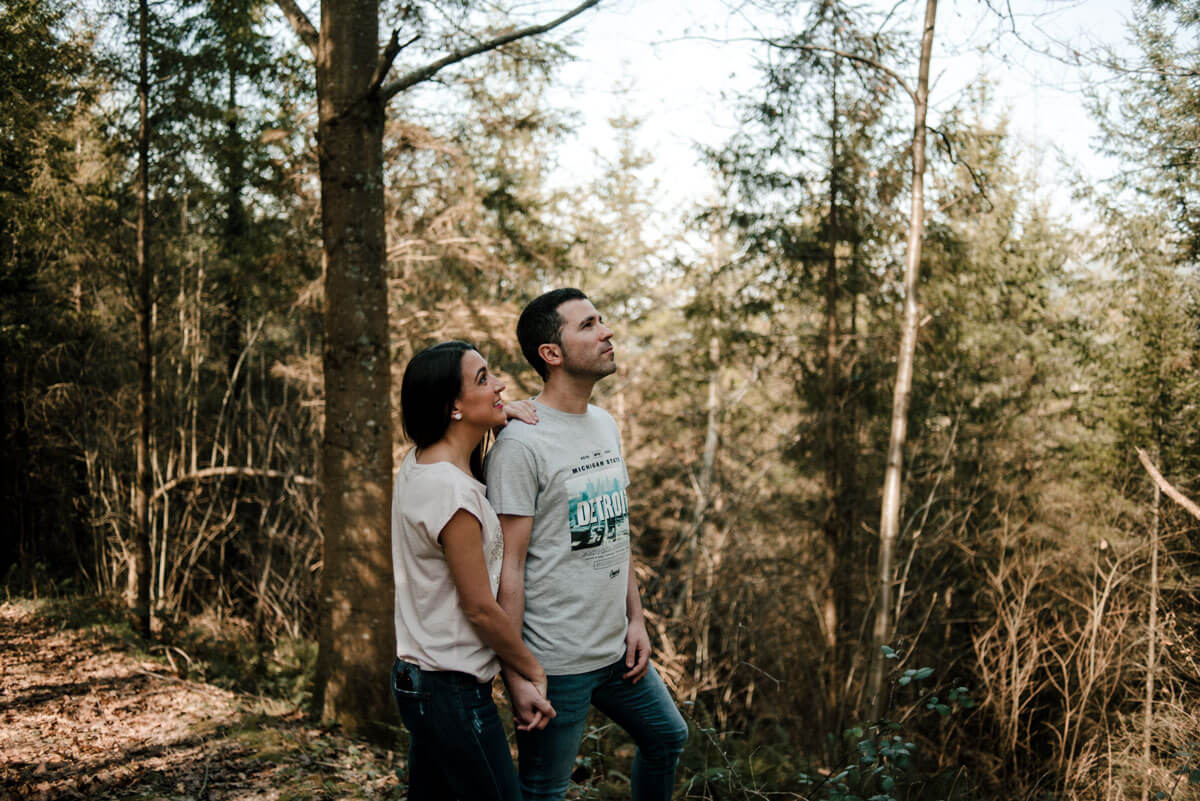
(524, 410)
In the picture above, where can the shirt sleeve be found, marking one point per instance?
(512, 478)
(443, 505)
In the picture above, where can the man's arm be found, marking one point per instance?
(517, 530)
(511, 595)
(637, 641)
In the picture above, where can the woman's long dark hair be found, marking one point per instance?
(432, 382)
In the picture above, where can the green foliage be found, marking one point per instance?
(1149, 123)
(886, 766)
(885, 760)
(101, 613)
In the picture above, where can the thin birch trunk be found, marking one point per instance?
(1152, 642)
(708, 459)
(889, 518)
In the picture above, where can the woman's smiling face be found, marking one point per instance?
(479, 401)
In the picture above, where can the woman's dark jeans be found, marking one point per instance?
(458, 748)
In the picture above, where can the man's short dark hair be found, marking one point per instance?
(541, 324)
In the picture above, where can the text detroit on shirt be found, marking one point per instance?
(598, 512)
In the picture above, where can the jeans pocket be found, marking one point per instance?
(407, 684)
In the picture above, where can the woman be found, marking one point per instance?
(451, 634)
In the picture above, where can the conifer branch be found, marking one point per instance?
(870, 62)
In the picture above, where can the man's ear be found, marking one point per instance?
(551, 354)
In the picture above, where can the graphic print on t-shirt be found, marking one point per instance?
(598, 512)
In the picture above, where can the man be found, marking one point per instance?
(567, 578)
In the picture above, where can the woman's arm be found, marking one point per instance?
(517, 531)
(462, 542)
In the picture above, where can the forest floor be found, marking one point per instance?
(84, 715)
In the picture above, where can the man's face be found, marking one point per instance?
(586, 341)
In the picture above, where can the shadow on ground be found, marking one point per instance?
(81, 717)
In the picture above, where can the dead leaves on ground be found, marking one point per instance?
(81, 718)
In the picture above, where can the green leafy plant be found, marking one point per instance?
(1189, 769)
(883, 766)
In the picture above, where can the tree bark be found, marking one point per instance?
(355, 638)
(889, 518)
(142, 558)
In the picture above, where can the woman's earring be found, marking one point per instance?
(457, 415)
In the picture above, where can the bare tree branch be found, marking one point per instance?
(977, 179)
(1165, 486)
(429, 70)
(387, 58)
(300, 23)
(211, 472)
(870, 62)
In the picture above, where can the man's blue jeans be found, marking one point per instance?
(645, 710)
(457, 747)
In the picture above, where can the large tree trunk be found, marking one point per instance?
(142, 559)
(355, 638)
(355, 628)
(889, 518)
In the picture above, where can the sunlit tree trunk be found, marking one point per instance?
(701, 512)
(355, 629)
(889, 519)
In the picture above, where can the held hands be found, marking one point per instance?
(637, 650)
(528, 699)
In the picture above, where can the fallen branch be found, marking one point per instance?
(1165, 486)
(211, 472)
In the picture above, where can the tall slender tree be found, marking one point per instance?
(816, 175)
(143, 482)
(889, 515)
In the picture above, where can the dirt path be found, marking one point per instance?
(82, 718)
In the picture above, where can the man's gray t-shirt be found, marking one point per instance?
(567, 473)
